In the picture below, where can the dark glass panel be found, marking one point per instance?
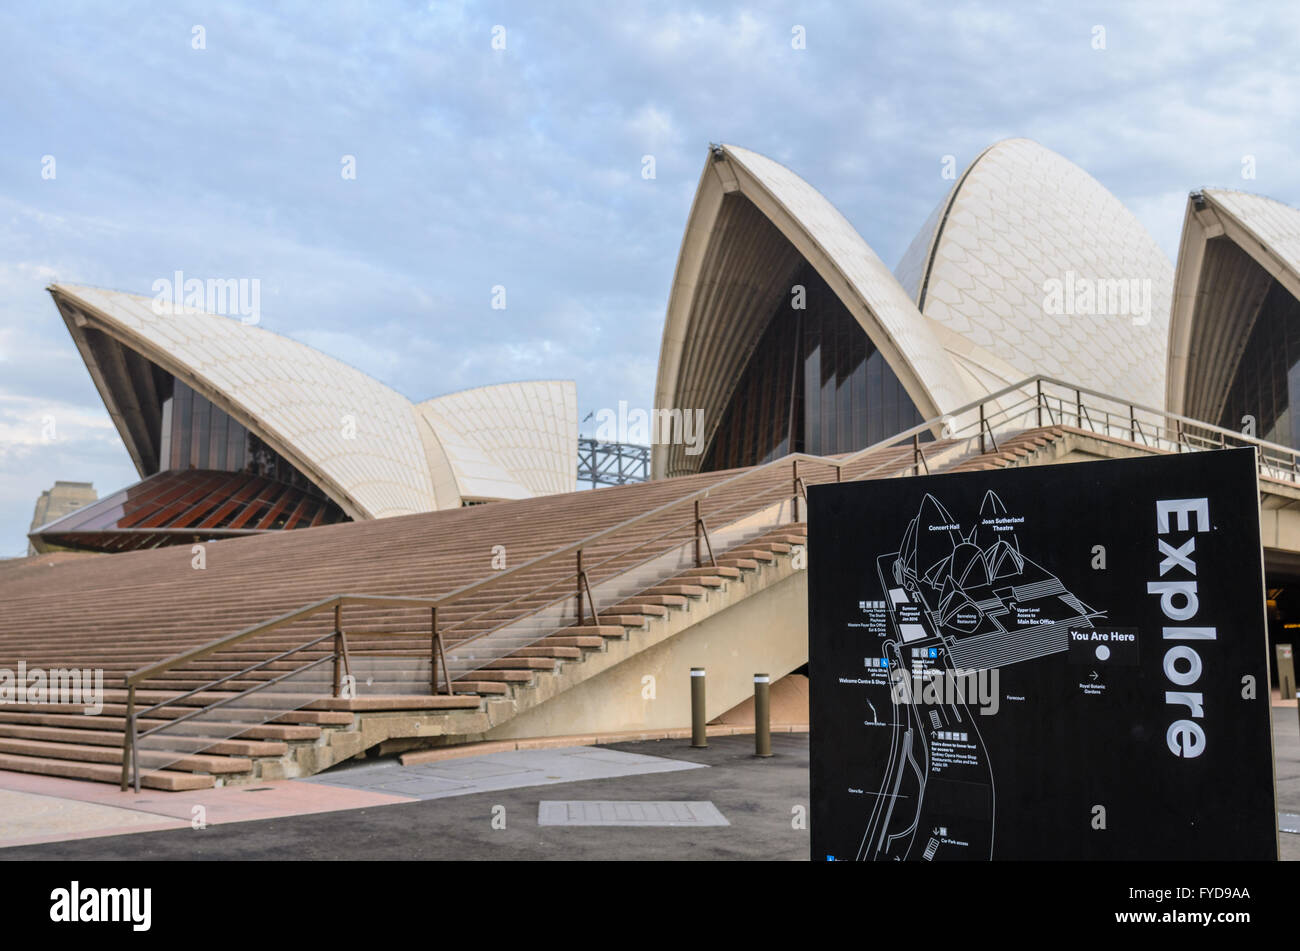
(202, 420)
(875, 425)
(811, 397)
(1267, 380)
(843, 389)
(814, 383)
(859, 390)
(182, 426)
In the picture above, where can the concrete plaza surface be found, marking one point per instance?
(455, 810)
(757, 797)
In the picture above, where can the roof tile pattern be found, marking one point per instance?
(1275, 225)
(1023, 216)
(512, 440)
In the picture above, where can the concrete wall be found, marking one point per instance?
(766, 632)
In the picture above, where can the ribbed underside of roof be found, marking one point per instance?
(1235, 247)
(1231, 290)
(746, 272)
(1274, 225)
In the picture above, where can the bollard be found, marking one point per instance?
(762, 715)
(699, 736)
(1285, 672)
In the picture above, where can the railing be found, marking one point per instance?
(518, 606)
(1054, 402)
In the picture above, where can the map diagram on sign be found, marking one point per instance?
(959, 600)
(1027, 664)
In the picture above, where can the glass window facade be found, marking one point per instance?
(198, 435)
(814, 383)
(1267, 382)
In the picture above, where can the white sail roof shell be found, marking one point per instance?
(363, 443)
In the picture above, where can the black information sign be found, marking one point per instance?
(1058, 662)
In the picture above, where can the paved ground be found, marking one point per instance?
(415, 813)
(1286, 760)
(31, 817)
(758, 798)
(495, 771)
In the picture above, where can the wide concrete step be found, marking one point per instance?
(593, 630)
(744, 564)
(660, 599)
(623, 620)
(245, 714)
(682, 590)
(647, 610)
(109, 754)
(560, 653)
(710, 571)
(705, 581)
(111, 738)
(502, 676)
(565, 640)
(421, 702)
(754, 554)
(473, 686)
(223, 729)
(170, 780)
(501, 663)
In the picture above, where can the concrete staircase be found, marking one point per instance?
(60, 740)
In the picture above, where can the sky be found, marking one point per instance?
(503, 145)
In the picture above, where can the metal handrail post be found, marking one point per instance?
(591, 598)
(701, 531)
(347, 661)
(433, 649)
(446, 671)
(698, 522)
(338, 649)
(794, 489)
(578, 579)
(128, 746)
(135, 755)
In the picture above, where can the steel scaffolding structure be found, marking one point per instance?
(612, 463)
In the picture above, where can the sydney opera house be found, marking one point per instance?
(236, 430)
(1032, 320)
